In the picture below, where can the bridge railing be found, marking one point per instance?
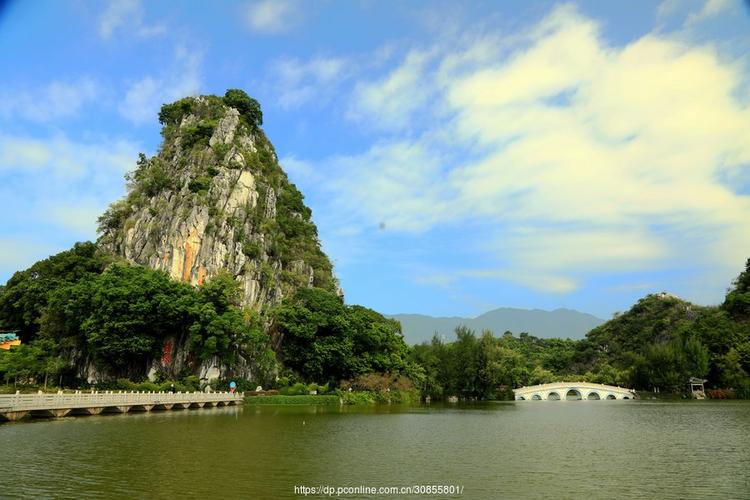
(561, 385)
(45, 401)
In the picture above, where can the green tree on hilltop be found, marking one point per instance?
(248, 107)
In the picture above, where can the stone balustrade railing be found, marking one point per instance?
(560, 385)
(46, 401)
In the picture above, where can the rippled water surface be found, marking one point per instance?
(566, 449)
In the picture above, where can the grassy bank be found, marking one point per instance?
(343, 397)
(379, 397)
(306, 399)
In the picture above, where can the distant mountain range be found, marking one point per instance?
(564, 323)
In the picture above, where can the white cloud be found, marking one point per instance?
(545, 282)
(80, 218)
(323, 78)
(272, 16)
(397, 184)
(61, 157)
(297, 82)
(144, 97)
(693, 12)
(584, 156)
(127, 15)
(390, 102)
(54, 101)
(711, 8)
(668, 8)
(298, 169)
(58, 181)
(538, 280)
(20, 253)
(630, 287)
(29, 153)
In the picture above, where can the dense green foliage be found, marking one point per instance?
(200, 184)
(374, 388)
(197, 133)
(26, 294)
(487, 366)
(120, 318)
(31, 361)
(248, 107)
(171, 114)
(374, 397)
(151, 175)
(737, 302)
(659, 343)
(324, 340)
(662, 341)
(80, 305)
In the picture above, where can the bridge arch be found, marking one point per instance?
(593, 396)
(573, 395)
(553, 396)
(536, 397)
(611, 396)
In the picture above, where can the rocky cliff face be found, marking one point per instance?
(213, 198)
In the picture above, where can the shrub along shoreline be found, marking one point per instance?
(359, 398)
(307, 399)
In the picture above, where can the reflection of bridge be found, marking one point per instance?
(17, 406)
(572, 391)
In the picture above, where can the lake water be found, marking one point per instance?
(565, 449)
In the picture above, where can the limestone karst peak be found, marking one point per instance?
(215, 197)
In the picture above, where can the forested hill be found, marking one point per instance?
(660, 342)
(560, 323)
(663, 340)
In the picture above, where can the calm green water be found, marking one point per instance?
(581, 449)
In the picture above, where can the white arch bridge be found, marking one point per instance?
(572, 391)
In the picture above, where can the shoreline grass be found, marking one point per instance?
(305, 399)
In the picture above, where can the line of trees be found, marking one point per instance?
(322, 339)
(81, 306)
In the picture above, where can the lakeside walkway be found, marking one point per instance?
(17, 406)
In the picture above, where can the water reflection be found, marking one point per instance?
(624, 449)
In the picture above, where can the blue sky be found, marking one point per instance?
(458, 156)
